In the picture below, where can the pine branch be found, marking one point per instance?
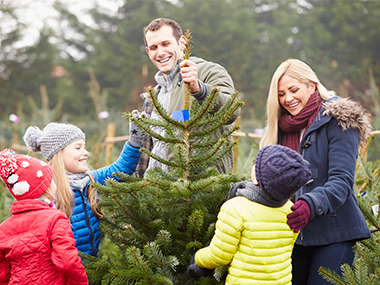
(127, 213)
(212, 158)
(148, 126)
(161, 111)
(195, 222)
(204, 109)
(330, 276)
(160, 159)
(214, 127)
(225, 112)
(164, 240)
(213, 142)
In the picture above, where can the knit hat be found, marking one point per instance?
(280, 171)
(53, 138)
(26, 177)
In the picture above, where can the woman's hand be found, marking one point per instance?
(300, 215)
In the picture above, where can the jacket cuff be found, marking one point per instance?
(314, 209)
(202, 93)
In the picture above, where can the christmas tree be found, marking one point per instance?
(158, 222)
(366, 267)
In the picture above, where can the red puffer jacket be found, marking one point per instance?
(37, 247)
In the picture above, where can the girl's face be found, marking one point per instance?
(75, 157)
(293, 94)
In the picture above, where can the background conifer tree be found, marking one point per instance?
(159, 221)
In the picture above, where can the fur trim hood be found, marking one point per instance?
(351, 114)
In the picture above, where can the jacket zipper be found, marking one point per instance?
(88, 223)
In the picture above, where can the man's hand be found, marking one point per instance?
(189, 72)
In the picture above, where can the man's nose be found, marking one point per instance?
(160, 50)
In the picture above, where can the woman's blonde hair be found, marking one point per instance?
(65, 195)
(300, 71)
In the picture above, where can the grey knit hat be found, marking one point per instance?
(280, 171)
(53, 138)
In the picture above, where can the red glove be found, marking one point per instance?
(300, 215)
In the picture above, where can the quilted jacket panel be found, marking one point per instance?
(37, 247)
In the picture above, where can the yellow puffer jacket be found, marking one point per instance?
(255, 240)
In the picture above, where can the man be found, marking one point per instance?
(164, 44)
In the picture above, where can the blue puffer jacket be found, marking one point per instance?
(330, 145)
(84, 223)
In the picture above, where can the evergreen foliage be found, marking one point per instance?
(6, 200)
(158, 222)
(366, 266)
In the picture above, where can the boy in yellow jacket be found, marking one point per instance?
(251, 232)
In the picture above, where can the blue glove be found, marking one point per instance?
(136, 134)
(194, 271)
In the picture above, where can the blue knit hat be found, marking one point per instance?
(53, 138)
(280, 171)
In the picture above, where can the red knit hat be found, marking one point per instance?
(26, 177)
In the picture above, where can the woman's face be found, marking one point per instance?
(293, 94)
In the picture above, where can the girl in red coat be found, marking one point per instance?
(36, 243)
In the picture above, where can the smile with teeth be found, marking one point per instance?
(293, 105)
(165, 60)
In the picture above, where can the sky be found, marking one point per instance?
(37, 13)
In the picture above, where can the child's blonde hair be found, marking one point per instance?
(65, 196)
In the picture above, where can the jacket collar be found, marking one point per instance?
(28, 205)
(348, 113)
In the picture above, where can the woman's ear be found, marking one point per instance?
(312, 87)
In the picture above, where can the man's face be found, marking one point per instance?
(163, 49)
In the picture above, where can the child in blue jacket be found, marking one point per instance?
(64, 147)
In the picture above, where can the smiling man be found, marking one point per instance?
(164, 44)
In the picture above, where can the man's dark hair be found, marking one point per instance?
(160, 22)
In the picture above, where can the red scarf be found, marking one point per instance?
(292, 125)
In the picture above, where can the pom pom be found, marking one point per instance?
(31, 137)
(21, 188)
(13, 179)
(8, 163)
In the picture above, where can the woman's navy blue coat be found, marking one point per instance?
(330, 145)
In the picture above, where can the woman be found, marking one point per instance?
(327, 131)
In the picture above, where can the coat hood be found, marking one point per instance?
(351, 114)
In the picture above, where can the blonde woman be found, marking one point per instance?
(327, 131)
(64, 147)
